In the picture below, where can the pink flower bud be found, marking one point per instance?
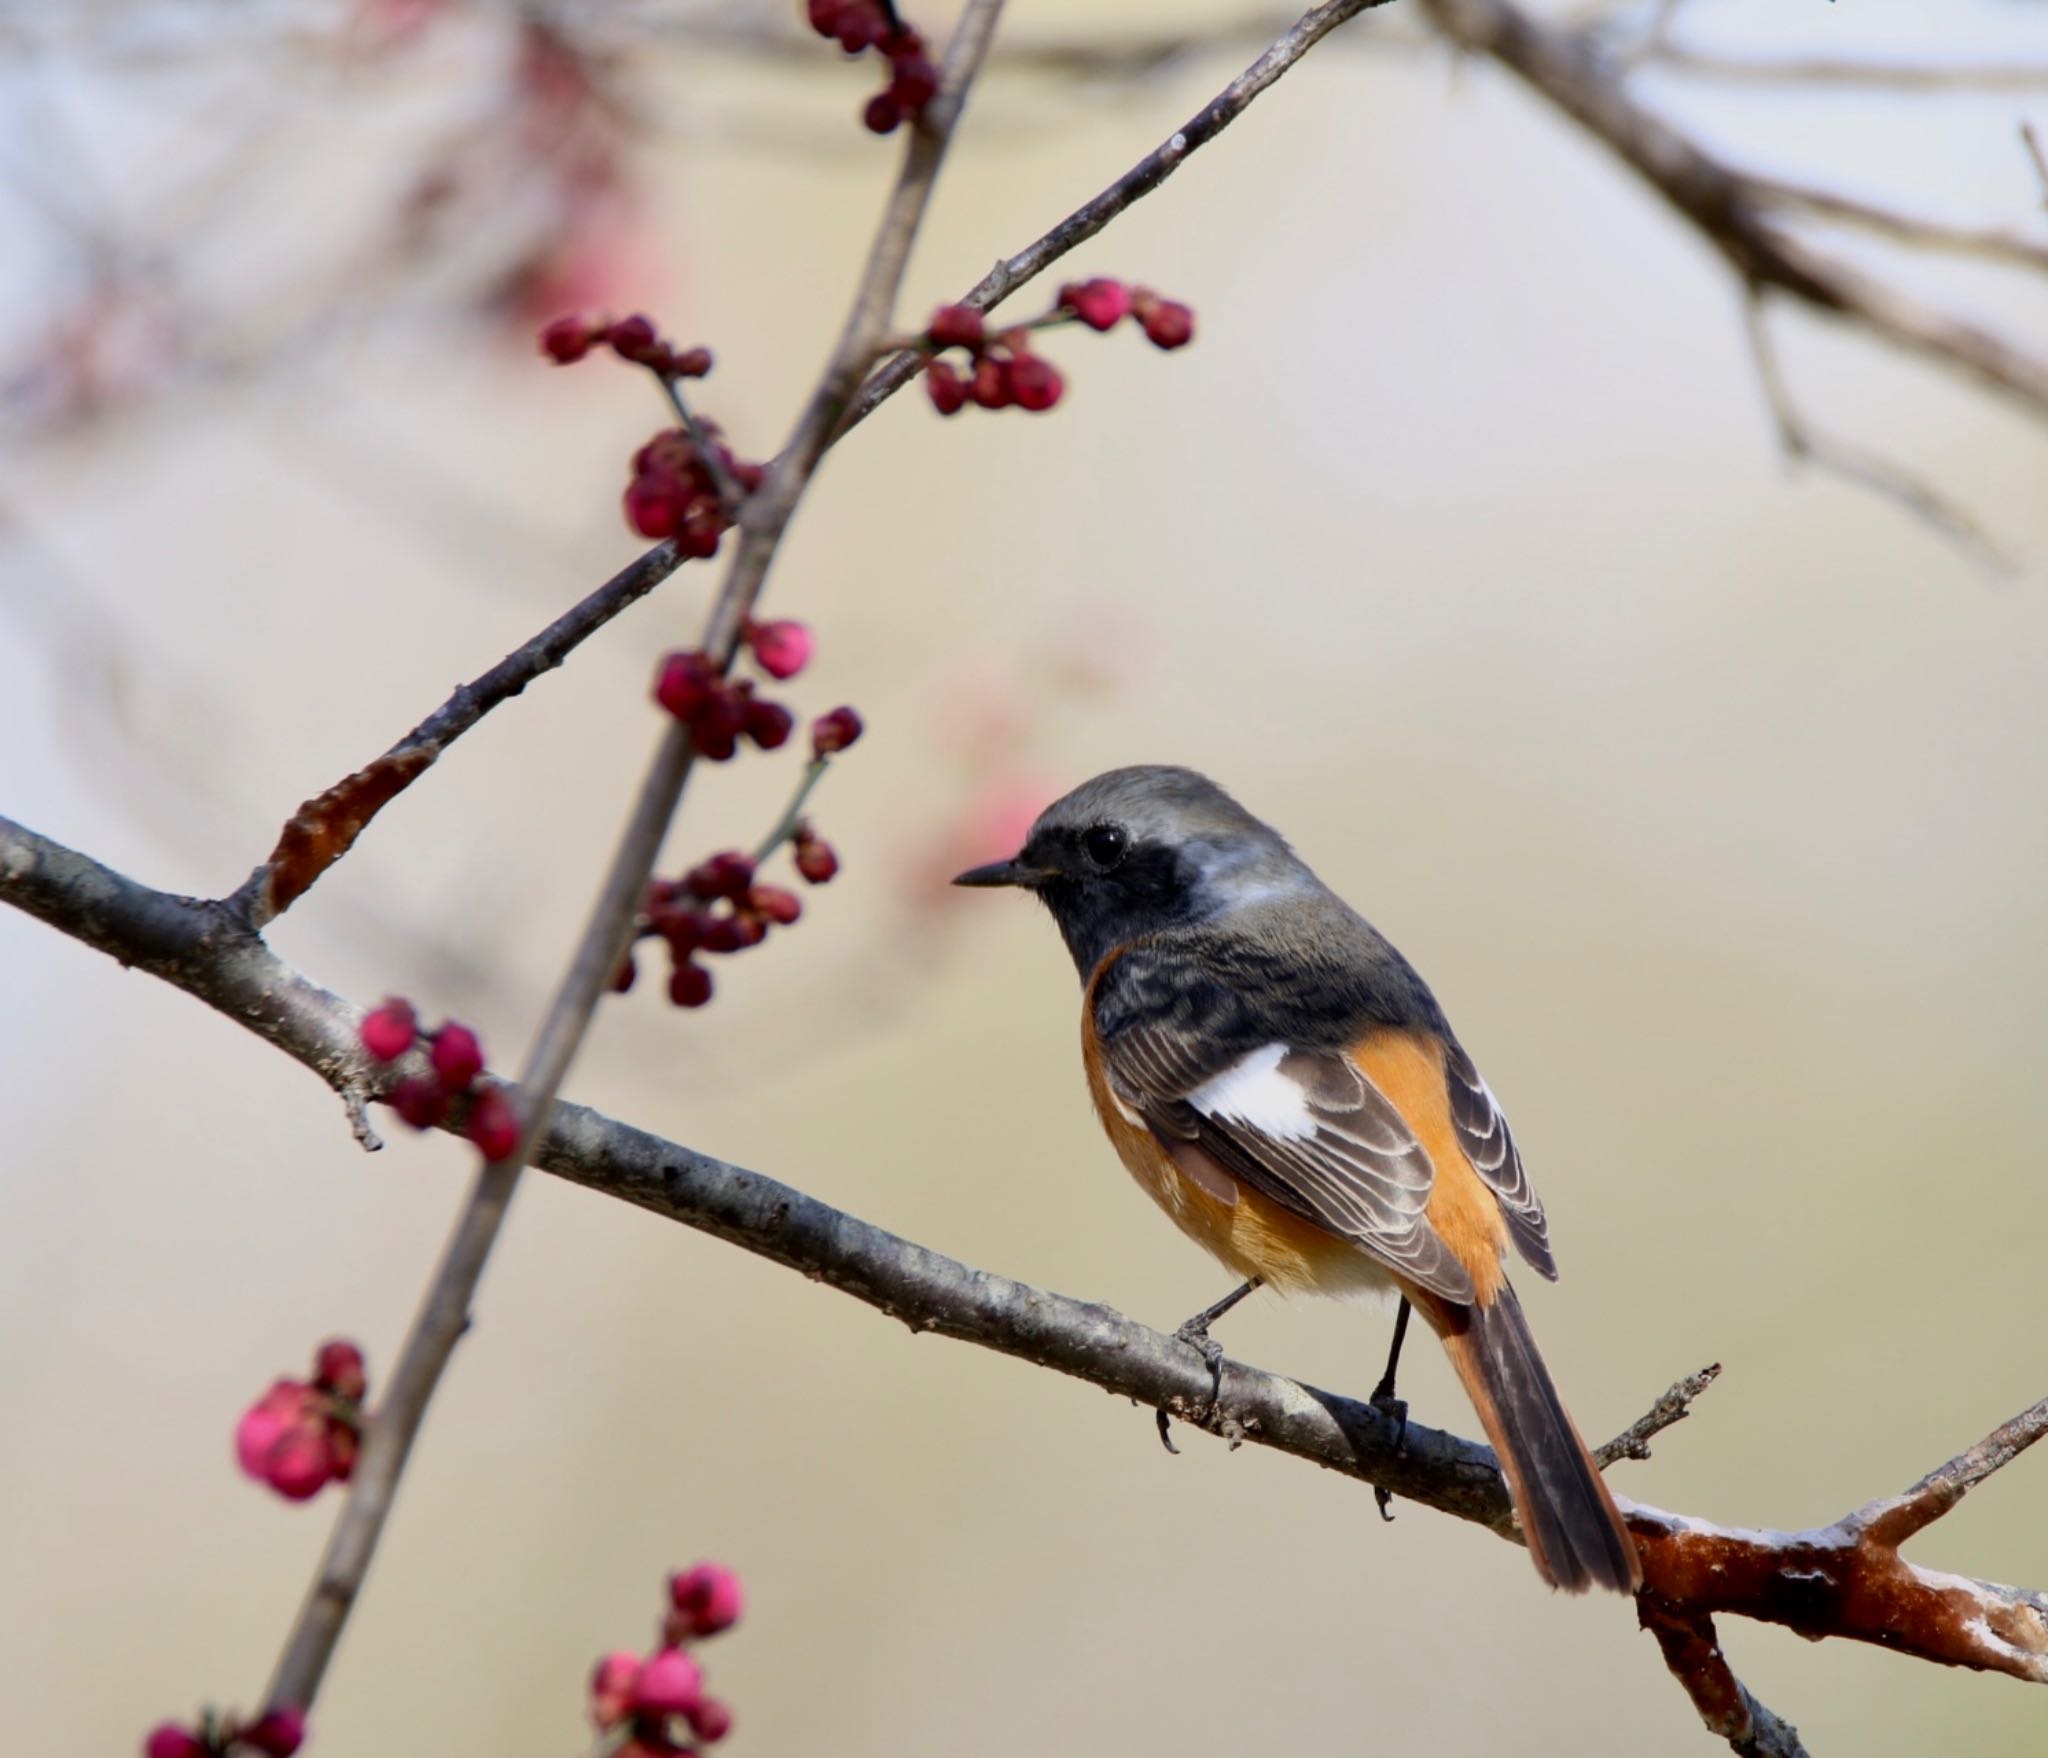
(494, 1124)
(884, 115)
(169, 1740)
(1035, 383)
(1167, 323)
(685, 683)
(300, 1463)
(816, 859)
(833, 732)
(1101, 304)
(338, 1368)
(710, 1720)
(634, 338)
(779, 906)
(709, 1595)
(654, 506)
(726, 874)
(782, 648)
(690, 363)
(990, 386)
(389, 1032)
(277, 1733)
(956, 326)
(669, 1684)
(457, 1056)
(689, 984)
(611, 1687)
(716, 729)
(266, 1422)
(945, 387)
(622, 978)
(568, 339)
(420, 1100)
(913, 83)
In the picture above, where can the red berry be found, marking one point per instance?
(389, 1032)
(781, 648)
(835, 731)
(634, 338)
(914, 83)
(420, 1100)
(816, 860)
(956, 326)
(654, 506)
(622, 978)
(697, 536)
(945, 388)
(690, 363)
(685, 683)
(769, 724)
(278, 1733)
(716, 729)
(169, 1740)
(568, 339)
(710, 1720)
(689, 984)
(611, 1687)
(709, 1595)
(779, 906)
(1101, 304)
(990, 386)
(1167, 323)
(338, 1368)
(1035, 383)
(725, 874)
(733, 933)
(457, 1056)
(883, 114)
(494, 1124)
(669, 1684)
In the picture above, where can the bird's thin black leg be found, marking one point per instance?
(1195, 1333)
(1383, 1399)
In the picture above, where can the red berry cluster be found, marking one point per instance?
(455, 1058)
(672, 492)
(716, 907)
(656, 1706)
(1001, 372)
(301, 1435)
(718, 709)
(859, 25)
(276, 1733)
(633, 339)
(1102, 304)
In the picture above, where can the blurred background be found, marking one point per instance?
(1709, 796)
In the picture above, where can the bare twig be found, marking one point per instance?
(1134, 185)
(444, 1314)
(1991, 243)
(1675, 1406)
(1846, 1580)
(731, 497)
(1727, 207)
(1802, 444)
(1871, 75)
(325, 827)
(2032, 142)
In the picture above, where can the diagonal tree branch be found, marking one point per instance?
(1846, 1580)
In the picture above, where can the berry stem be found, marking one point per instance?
(731, 497)
(792, 814)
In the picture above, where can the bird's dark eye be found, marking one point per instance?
(1104, 845)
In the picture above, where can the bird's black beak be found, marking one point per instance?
(1010, 872)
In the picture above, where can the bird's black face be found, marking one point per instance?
(1104, 885)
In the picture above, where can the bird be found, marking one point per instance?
(1286, 1087)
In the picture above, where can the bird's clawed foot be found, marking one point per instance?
(1195, 1334)
(1384, 1401)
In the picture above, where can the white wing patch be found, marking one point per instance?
(1252, 1091)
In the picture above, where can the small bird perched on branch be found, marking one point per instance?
(1284, 1085)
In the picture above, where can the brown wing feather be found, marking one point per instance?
(1483, 1132)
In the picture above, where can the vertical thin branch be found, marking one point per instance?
(444, 1313)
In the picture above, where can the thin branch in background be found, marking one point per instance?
(1675, 1406)
(1822, 70)
(1801, 444)
(731, 497)
(444, 1313)
(2035, 152)
(1920, 233)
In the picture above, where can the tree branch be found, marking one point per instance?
(444, 1313)
(1846, 1580)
